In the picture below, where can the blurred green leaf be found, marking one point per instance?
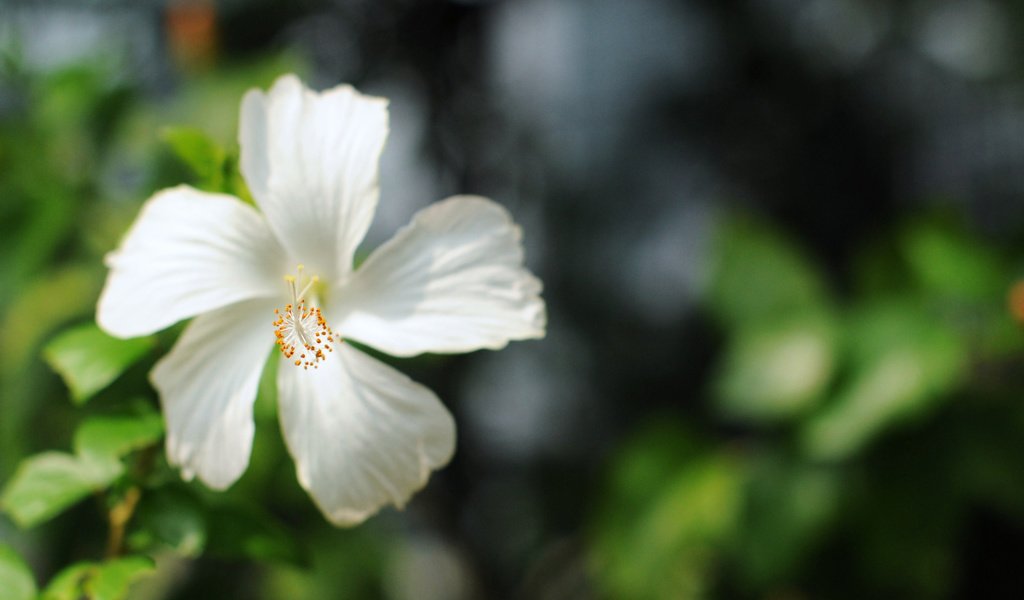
(115, 436)
(47, 483)
(350, 564)
(51, 299)
(758, 277)
(197, 150)
(16, 580)
(67, 585)
(967, 278)
(903, 361)
(109, 580)
(787, 505)
(776, 371)
(112, 578)
(950, 264)
(667, 543)
(172, 518)
(236, 185)
(89, 360)
(246, 532)
(646, 461)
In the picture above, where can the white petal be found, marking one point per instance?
(207, 386)
(362, 434)
(311, 162)
(188, 252)
(451, 281)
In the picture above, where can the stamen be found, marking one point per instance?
(300, 327)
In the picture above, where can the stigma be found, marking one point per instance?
(301, 332)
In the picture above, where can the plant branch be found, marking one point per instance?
(118, 518)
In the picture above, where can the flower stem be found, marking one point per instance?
(118, 518)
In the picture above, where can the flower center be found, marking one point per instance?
(302, 334)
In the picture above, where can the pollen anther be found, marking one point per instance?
(300, 326)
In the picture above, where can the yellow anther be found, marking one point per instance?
(300, 325)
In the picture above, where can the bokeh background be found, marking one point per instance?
(779, 240)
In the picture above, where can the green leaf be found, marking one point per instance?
(776, 371)
(116, 436)
(111, 579)
(89, 359)
(108, 580)
(204, 156)
(788, 508)
(236, 184)
(952, 265)
(350, 564)
(16, 579)
(904, 361)
(172, 518)
(53, 298)
(671, 509)
(758, 276)
(67, 585)
(246, 532)
(46, 484)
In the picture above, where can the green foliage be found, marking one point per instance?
(51, 299)
(109, 580)
(788, 507)
(966, 282)
(776, 371)
(170, 518)
(894, 355)
(215, 169)
(47, 483)
(16, 579)
(117, 435)
(949, 264)
(243, 531)
(671, 509)
(49, 157)
(846, 409)
(67, 585)
(204, 156)
(89, 360)
(781, 351)
(758, 277)
(173, 517)
(344, 565)
(903, 361)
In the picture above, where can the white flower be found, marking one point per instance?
(362, 434)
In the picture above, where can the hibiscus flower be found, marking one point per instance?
(362, 434)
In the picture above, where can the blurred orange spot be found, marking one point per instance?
(192, 33)
(1016, 301)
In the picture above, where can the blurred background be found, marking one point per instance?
(779, 239)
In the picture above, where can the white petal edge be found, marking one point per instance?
(188, 252)
(453, 280)
(207, 385)
(311, 161)
(362, 434)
